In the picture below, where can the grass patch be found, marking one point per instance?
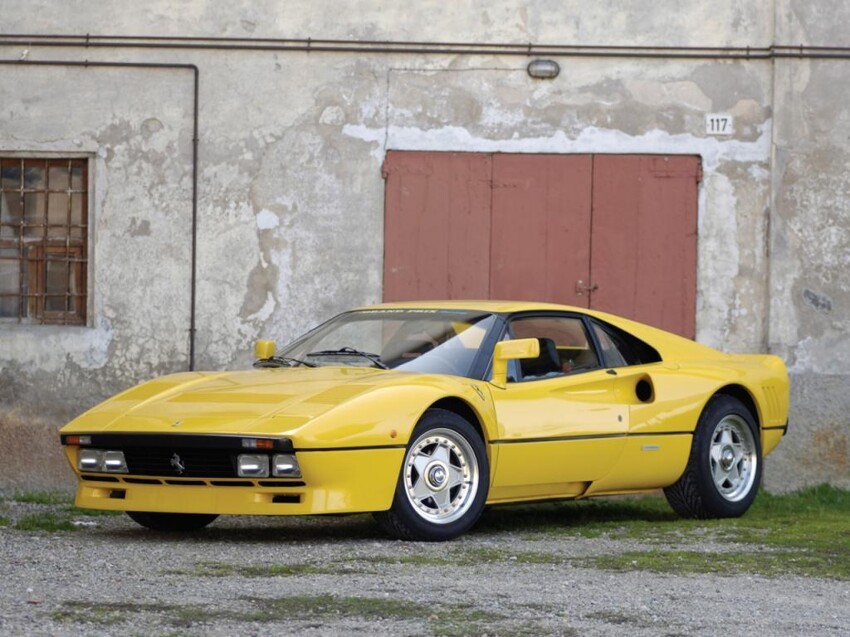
(44, 521)
(484, 555)
(333, 606)
(768, 563)
(804, 533)
(616, 618)
(205, 569)
(4, 521)
(445, 620)
(414, 560)
(43, 497)
(105, 613)
(91, 513)
(222, 569)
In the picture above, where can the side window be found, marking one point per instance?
(620, 349)
(564, 346)
(611, 355)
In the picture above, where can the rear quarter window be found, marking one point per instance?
(621, 349)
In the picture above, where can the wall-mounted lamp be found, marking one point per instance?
(543, 69)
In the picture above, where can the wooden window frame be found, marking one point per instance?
(39, 240)
(37, 299)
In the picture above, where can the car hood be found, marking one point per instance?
(260, 401)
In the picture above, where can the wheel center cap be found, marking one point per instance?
(727, 458)
(436, 475)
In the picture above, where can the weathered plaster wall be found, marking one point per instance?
(669, 22)
(140, 223)
(291, 196)
(810, 243)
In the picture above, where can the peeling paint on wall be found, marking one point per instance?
(589, 140)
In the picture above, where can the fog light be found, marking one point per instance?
(284, 465)
(90, 460)
(114, 462)
(253, 466)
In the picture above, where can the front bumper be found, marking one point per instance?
(334, 481)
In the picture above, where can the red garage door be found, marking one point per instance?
(610, 232)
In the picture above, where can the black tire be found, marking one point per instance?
(724, 469)
(447, 497)
(172, 522)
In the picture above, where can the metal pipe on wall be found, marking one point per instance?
(424, 48)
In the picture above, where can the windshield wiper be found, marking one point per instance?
(282, 361)
(350, 351)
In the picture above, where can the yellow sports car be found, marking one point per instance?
(423, 413)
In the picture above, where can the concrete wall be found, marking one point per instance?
(291, 195)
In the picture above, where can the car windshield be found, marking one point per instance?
(426, 341)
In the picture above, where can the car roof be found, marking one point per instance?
(669, 345)
(476, 305)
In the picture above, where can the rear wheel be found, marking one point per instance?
(443, 481)
(172, 522)
(724, 469)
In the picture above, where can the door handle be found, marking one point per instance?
(581, 288)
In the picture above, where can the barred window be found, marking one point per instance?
(43, 240)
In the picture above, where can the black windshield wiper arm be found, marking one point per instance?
(282, 361)
(350, 351)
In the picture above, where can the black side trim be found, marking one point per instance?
(229, 483)
(186, 483)
(591, 437)
(784, 428)
(184, 441)
(366, 448)
(142, 481)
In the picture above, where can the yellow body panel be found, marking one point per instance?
(582, 434)
(339, 482)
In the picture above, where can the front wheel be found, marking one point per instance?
(172, 522)
(443, 481)
(724, 469)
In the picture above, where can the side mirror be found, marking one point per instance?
(511, 350)
(264, 349)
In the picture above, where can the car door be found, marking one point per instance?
(561, 425)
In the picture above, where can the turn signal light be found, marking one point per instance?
(257, 443)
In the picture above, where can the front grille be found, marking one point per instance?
(165, 461)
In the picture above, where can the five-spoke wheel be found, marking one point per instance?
(441, 475)
(724, 468)
(733, 458)
(443, 483)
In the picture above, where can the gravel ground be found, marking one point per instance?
(335, 576)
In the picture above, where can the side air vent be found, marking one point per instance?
(643, 390)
